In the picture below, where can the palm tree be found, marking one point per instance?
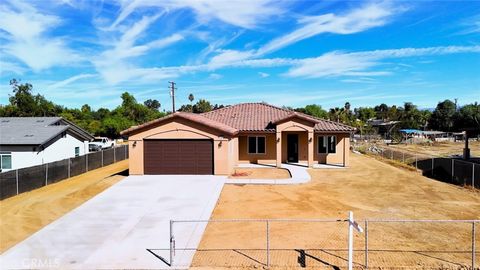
(191, 98)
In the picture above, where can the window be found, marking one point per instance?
(327, 144)
(77, 151)
(256, 145)
(5, 161)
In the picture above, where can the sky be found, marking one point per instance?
(290, 53)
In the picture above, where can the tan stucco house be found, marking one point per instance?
(215, 142)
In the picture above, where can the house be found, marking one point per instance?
(30, 141)
(217, 141)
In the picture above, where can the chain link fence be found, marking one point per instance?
(323, 244)
(449, 170)
(26, 179)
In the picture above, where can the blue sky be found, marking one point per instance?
(281, 52)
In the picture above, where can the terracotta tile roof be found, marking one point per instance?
(247, 117)
(261, 116)
(198, 118)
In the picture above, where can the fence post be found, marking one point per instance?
(102, 156)
(453, 169)
(473, 245)
(86, 163)
(114, 157)
(268, 243)
(350, 240)
(46, 174)
(16, 177)
(172, 243)
(473, 175)
(433, 165)
(366, 244)
(69, 161)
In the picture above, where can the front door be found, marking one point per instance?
(292, 147)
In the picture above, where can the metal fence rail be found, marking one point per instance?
(325, 243)
(22, 180)
(445, 169)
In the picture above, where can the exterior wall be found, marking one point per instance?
(63, 148)
(181, 129)
(342, 155)
(304, 129)
(270, 150)
(302, 145)
(233, 154)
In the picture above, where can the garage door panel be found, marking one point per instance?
(178, 157)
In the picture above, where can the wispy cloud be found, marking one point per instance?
(71, 80)
(334, 64)
(28, 40)
(263, 74)
(470, 25)
(242, 13)
(113, 63)
(357, 20)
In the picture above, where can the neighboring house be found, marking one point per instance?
(30, 141)
(217, 141)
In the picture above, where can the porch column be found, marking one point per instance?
(278, 141)
(310, 148)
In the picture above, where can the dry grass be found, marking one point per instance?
(370, 188)
(24, 214)
(260, 173)
(440, 148)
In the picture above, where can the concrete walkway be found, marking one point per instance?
(299, 175)
(126, 226)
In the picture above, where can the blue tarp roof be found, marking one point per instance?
(410, 131)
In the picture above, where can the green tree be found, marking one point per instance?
(443, 116)
(468, 117)
(315, 110)
(152, 104)
(365, 113)
(202, 106)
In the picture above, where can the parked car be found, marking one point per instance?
(100, 143)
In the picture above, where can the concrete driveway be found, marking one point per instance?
(126, 226)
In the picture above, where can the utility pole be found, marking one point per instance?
(172, 93)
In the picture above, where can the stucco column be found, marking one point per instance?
(278, 141)
(310, 148)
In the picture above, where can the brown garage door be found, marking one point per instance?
(178, 157)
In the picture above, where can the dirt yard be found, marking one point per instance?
(440, 148)
(24, 214)
(369, 188)
(260, 173)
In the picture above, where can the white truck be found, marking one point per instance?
(100, 143)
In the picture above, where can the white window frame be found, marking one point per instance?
(326, 137)
(6, 154)
(256, 148)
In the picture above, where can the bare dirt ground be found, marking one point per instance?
(24, 214)
(370, 188)
(440, 148)
(260, 173)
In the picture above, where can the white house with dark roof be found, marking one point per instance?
(30, 141)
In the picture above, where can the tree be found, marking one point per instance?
(468, 117)
(335, 114)
(365, 113)
(202, 106)
(382, 111)
(186, 108)
(443, 116)
(315, 110)
(152, 104)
